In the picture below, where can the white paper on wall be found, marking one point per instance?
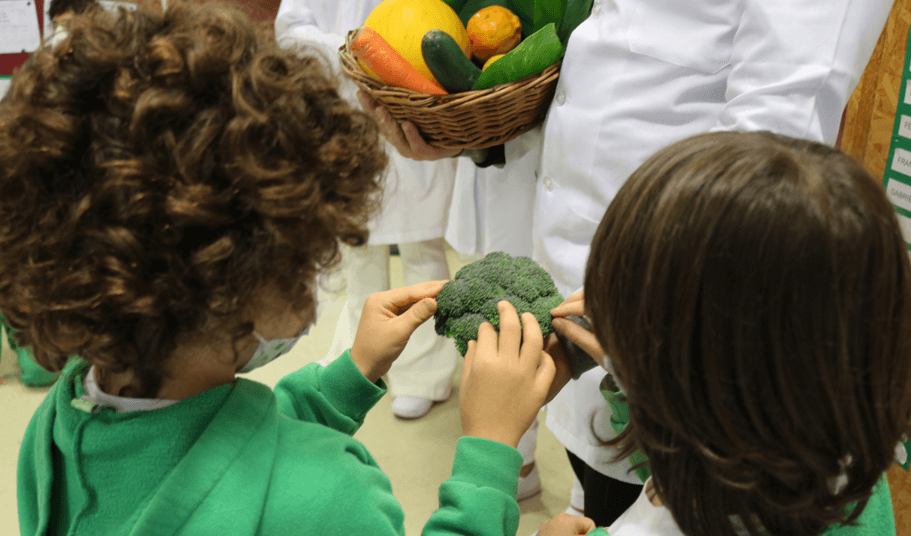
(18, 26)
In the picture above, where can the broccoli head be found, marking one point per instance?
(471, 298)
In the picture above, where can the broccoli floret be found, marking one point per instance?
(471, 298)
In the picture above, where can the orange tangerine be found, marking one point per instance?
(493, 30)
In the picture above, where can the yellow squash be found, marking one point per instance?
(403, 23)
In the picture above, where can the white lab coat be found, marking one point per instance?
(417, 194)
(492, 208)
(640, 74)
(415, 206)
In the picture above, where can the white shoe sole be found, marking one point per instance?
(411, 407)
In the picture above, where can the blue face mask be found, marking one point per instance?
(270, 350)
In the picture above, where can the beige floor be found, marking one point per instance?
(416, 455)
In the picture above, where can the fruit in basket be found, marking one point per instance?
(535, 53)
(448, 62)
(373, 51)
(493, 30)
(403, 24)
(489, 62)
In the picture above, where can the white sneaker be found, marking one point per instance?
(530, 485)
(410, 407)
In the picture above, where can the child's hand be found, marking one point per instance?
(387, 321)
(566, 525)
(563, 373)
(505, 378)
(584, 339)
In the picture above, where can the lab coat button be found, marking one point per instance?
(560, 98)
(549, 183)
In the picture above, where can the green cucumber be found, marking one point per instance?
(448, 63)
(536, 53)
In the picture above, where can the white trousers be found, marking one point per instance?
(426, 365)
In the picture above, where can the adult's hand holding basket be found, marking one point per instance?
(466, 120)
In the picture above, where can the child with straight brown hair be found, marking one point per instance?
(753, 294)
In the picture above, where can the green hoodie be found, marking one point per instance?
(240, 459)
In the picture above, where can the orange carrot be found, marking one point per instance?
(378, 55)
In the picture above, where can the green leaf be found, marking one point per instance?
(548, 12)
(576, 13)
(534, 54)
(525, 10)
(456, 5)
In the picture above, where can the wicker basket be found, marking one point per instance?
(467, 120)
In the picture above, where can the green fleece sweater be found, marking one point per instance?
(241, 459)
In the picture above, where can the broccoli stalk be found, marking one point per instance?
(471, 298)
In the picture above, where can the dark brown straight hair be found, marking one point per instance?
(157, 168)
(753, 293)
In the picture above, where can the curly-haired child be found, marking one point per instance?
(32, 374)
(171, 186)
(753, 292)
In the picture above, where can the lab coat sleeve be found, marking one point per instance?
(796, 62)
(337, 396)
(296, 25)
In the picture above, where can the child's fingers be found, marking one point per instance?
(574, 305)
(400, 299)
(469, 360)
(510, 329)
(581, 337)
(487, 339)
(585, 525)
(414, 316)
(544, 376)
(532, 339)
(576, 308)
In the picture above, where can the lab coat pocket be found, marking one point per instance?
(697, 34)
(584, 215)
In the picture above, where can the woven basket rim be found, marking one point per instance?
(455, 120)
(373, 86)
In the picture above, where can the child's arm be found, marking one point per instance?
(296, 24)
(505, 380)
(341, 394)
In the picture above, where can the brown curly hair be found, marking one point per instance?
(156, 168)
(754, 294)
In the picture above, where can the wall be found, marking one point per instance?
(868, 124)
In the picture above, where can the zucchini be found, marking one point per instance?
(536, 53)
(448, 63)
